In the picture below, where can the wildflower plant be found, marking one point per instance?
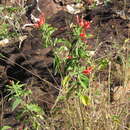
(47, 30)
(40, 22)
(10, 19)
(19, 96)
(76, 65)
(83, 100)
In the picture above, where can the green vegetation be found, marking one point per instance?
(84, 101)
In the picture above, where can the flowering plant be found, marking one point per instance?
(84, 26)
(82, 23)
(40, 22)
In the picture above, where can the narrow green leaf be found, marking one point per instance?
(16, 103)
(1, 55)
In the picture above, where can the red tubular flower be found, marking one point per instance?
(86, 24)
(69, 57)
(82, 23)
(40, 22)
(82, 35)
(88, 71)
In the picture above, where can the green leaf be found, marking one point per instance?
(85, 100)
(1, 55)
(83, 80)
(5, 128)
(61, 98)
(116, 118)
(89, 35)
(16, 103)
(26, 92)
(103, 64)
(66, 80)
(12, 9)
(34, 108)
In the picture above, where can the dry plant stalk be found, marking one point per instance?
(6, 42)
